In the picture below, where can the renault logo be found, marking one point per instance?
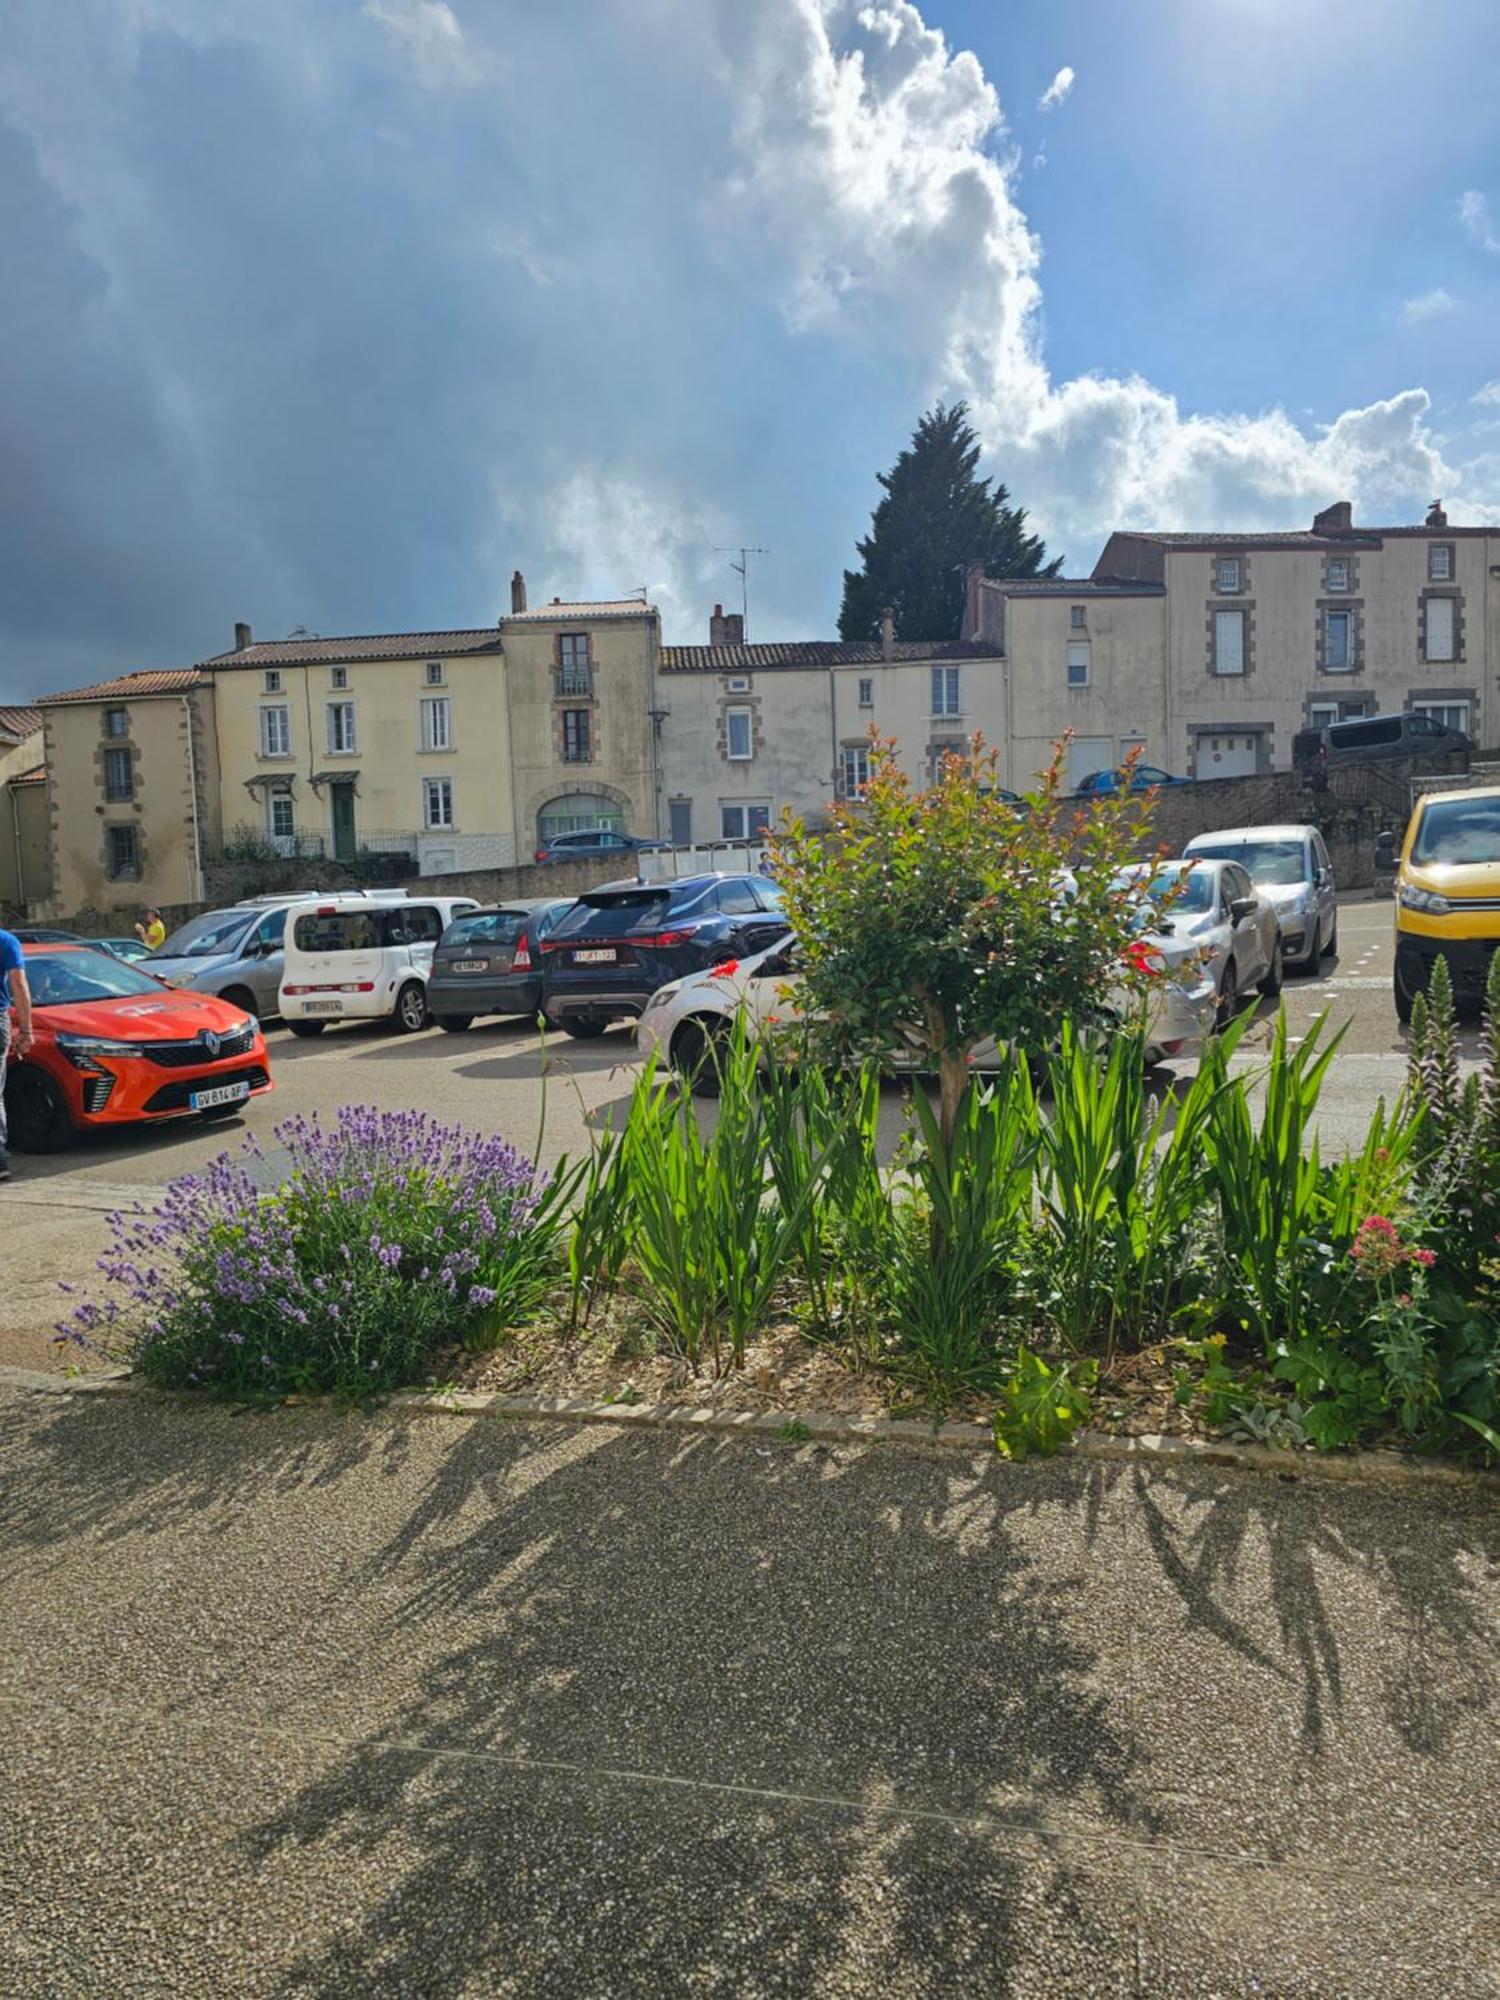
(210, 1042)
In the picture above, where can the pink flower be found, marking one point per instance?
(1426, 1258)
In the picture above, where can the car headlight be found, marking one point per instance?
(661, 996)
(1412, 898)
(81, 1050)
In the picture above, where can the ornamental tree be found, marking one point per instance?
(948, 917)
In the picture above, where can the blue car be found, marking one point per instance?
(1144, 778)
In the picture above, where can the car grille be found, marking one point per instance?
(96, 1092)
(193, 1054)
(175, 1096)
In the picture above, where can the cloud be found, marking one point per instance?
(1474, 214)
(1057, 89)
(1489, 395)
(428, 37)
(1426, 306)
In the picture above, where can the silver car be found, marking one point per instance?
(1289, 865)
(1215, 905)
(235, 953)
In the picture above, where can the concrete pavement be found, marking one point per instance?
(330, 1704)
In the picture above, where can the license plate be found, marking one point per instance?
(594, 957)
(322, 1006)
(471, 965)
(222, 1093)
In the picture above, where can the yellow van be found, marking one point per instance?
(1448, 894)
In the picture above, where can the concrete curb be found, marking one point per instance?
(1385, 1468)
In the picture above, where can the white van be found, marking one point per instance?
(363, 958)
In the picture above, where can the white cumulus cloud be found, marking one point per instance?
(1057, 89)
(1436, 304)
(429, 37)
(1474, 214)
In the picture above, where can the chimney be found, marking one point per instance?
(1335, 520)
(717, 627)
(734, 628)
(241, 638)
(517, 592)
(1436, 518)
(888, 634)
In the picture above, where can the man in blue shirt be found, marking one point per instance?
(15, 1023)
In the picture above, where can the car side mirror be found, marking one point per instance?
(1242, 907)
(1385, 853)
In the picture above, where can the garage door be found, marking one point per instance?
(1088, 753)
(1235, 756)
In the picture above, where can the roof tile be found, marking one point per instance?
(19, 723)
(815, 653)
(126, 687)
(313, 652)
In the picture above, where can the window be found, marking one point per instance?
(116, 722)
(1229, 642)
(743, 822)
(340, 728)
(122, 851)
(437, 802)
(1078, 663)
(739, 684)
(1321, 713)
(1439, 629)
(1078, 617)
(1336, 641)
(575, 735)
(271, 934)
(738, 899)
(338, 677)
(1229, 575)
(1447, 714)
(434, 673)
(867, 692)
(276, 730)
(1440, 562)
(1338, 573)
(739, 735)
(437, 730)
(855, 762)
(119, 778)
(945, 691)
(575, 667)
(279, 816)
(270, 682)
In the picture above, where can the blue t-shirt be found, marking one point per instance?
(10, 959)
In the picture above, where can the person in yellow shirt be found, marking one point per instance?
(153, 932)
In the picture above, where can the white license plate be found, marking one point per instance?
(594, 957)
(322, 1006)
(471, 965)
(222, 1093)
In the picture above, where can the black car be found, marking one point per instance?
(592, 844)
(29, 934)
(620, 942)
(490, 962)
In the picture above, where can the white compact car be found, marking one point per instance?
(363, 958)
(681, 1021)
(1215, 905)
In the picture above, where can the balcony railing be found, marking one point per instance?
(576, 681)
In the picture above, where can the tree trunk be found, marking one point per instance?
(953, 1081)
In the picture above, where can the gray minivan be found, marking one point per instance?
(1368, 739)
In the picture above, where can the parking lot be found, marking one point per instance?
(542, 1093)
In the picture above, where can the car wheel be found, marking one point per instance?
(37, 1112)
(307, 1029)
(1271, 984)
(584, 1031)
(1403, 999)
(454, 1024)
(1229, 997)
(410, 1012)
(696, 1052)
(241, 997)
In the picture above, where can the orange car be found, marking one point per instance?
(114, 1045)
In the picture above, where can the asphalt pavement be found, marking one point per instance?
(335, 1703)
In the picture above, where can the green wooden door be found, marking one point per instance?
(343, 822)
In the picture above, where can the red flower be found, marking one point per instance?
(727, 970)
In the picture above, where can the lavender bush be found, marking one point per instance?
(391, 1236)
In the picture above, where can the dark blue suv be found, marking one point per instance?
(620, 942)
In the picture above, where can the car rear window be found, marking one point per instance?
(337, 930)
(619, 913)
(486, 927)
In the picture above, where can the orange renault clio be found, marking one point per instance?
(114, 1045)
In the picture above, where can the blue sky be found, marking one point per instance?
(332, 312)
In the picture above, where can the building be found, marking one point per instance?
(750, 730)
(1214, 648)
(392, 744)
(132, 790)
(24, 873)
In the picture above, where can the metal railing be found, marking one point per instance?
(575, 681)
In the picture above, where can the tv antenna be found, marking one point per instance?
(742, 567)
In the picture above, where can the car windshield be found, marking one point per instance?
(1277, 863)
(203, 937)
(1459, 830)
(68, 978)
(486, 927)
(1189, 890)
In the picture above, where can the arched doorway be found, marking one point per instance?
(578, 812)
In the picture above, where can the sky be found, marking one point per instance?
(332, 313)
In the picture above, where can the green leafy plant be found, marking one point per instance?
(794, 1432)
(1042, 1405)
